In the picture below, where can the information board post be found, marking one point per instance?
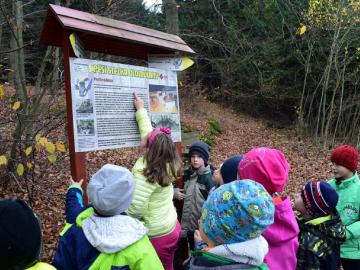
(112, 37)
(77, 160)
(179, 182)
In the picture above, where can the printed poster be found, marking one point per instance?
(103, 103)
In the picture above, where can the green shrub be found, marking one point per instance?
(209, 136)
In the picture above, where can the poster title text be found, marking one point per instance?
(103, 69)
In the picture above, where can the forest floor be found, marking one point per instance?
(240, 133)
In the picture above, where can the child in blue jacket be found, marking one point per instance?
(103, 236)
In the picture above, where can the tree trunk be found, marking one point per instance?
(341, 101)
(17, 64)
(17, 56)
(321, 116)
(301, 122)
(329, 116)
(172, 18)
(54, 77)
(1, 29)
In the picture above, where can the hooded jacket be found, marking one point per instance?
(320, 241)
(197, 185)
(270, 168)
(348, 207)
(245, 255)
(96, 242)
(282, 237)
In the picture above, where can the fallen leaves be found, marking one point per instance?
(242, 133)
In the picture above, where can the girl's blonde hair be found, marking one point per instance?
(163, 164)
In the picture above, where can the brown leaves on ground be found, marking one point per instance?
(240, 134)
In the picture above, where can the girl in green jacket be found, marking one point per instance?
(153, 198)
(346, 182)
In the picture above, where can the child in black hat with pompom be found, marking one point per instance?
(321, 229)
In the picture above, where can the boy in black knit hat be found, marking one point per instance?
(321, 230)
(197, 184)
(20, 237)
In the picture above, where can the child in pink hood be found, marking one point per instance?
(270, 168)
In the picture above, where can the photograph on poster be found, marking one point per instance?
(163, 98)
(166, 120)
(85, 126)
(83, 86)
(84, 106)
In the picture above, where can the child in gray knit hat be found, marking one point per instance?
(103, 236)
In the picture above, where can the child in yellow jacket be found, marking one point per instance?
(154, 174)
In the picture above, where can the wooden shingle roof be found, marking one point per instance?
(105, 35)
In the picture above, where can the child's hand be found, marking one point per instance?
(138, 102)
(197, 236)
(179, 194)
(72, 182)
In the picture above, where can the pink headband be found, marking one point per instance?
(154, 133)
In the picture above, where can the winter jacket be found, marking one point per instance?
(197, 185)
(282, 238)
(246, 255)
(349, 207)
(152, 204)
(94, 242)
(319, 243)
